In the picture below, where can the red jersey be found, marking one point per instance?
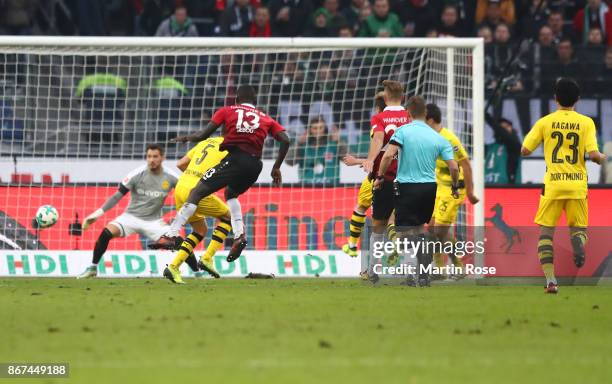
(390, 119)
(246, 127)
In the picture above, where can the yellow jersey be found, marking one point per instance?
(567, 137)
(204, 156)
(443, 176)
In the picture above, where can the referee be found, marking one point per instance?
(415, 184)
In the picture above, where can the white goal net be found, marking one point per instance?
(77, 113)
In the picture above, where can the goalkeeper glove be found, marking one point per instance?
(92, 218)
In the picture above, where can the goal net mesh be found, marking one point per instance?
(75, 120)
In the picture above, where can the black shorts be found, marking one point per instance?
(382, 201)
(414, 203)
(239, 170)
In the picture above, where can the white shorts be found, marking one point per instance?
(129, 224)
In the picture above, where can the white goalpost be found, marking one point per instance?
(77, 112)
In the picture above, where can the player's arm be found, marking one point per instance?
(445, 151)
(198, 136)
(183, 163)
(376, 144)
(463, 160)
(108, 204)
(284, 141)
(532, 140)
(351, 160)
(453, 167)
(466, 165)
(386, 160)
(591, 146)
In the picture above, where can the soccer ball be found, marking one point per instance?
(46, 216)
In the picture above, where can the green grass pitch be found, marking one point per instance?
(306, 331)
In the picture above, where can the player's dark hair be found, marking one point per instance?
(567, 91)
(394, 89)
(155, 147)
(416, 106)
(434, 113)
(379, 101)
(246, 94)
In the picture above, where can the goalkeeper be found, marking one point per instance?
(149, 184)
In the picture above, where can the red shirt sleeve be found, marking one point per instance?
(376, 125)
(219, 116)
(275, 128)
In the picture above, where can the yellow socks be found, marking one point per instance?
(186, 249)
(357, 222)
(545, 253)
(218, 237)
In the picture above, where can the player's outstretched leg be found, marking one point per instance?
(240, 241)
(358, 219)
(545, 253)
(109, 232)
(171, 240)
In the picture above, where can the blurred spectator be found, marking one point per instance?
(496, 57)
(485, 32)
(318, 154)
(546, 38)
(542, 53)
(345, 31)
(178, 24)
(604, 80)
(564, 64)
(502, 158)
(534, 17)
(450, 25)
(433, 33)
(493, 12)
(334, 17)
(381, 23)
(557, 26)
(319, 25)
(260, 27)
(150, 14)
(416, 16)
(595, 14)
(17, 16)
(351, 14)
(236, 20)
(591, 56)
(290, 17)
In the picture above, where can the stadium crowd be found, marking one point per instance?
(553, 37)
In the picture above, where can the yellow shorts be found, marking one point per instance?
(365, 193)
(210, 206)
(447, 207)
(576, 212)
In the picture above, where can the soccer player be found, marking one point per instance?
(446, 206)
(383, 126)
(204, 156)
(364, 198)
(149, 184)
(419, 147)
(245, 129)
(567, 136)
